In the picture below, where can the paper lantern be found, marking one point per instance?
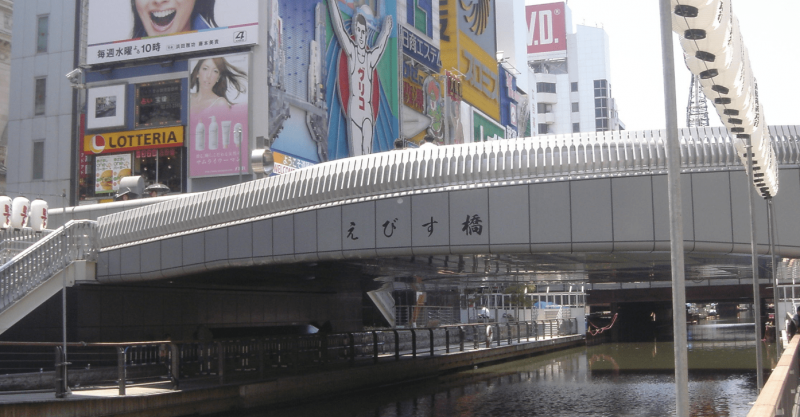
(708, 31)
(20, 211)
(5, 212)
(38, 215)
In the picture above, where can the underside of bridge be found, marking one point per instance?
(334, 296)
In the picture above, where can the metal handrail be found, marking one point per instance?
(13, 241)
(502, 161)
(77, 240)
(224, 359)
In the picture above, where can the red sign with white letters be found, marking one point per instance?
(547, 27)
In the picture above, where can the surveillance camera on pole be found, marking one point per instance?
(75, 77)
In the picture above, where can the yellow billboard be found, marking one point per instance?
(165, 137)
(468, 46)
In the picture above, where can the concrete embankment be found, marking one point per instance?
(197, 398)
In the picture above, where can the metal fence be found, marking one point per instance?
(77, 240)
(425, 316)
(523, 159)
(228, 360)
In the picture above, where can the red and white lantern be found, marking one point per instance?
(38, 215)
(20, 211)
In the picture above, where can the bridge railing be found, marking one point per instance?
(780, 395)
(510, 160)
(77, 240)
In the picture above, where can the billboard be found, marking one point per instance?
(121, 30)
(132, 140)
(218, 115)
(468, 44)
(547, 27)
(288, 163)
(157, 104)
(333, 78)
(109, 169)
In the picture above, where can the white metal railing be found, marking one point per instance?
(13, 241)
(509, 160)
(77, 240)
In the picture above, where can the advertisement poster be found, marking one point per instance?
(334, 90)
(108, 171)
(288, 163)
(218, 110)
(121, 30)
(468, 45)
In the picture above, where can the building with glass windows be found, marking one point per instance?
(569, 73)
(102, 90)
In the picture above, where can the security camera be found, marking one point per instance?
(74, 76)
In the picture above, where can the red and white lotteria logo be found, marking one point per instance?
(98, 143)
(547, 27)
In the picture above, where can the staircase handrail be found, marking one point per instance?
(76, 240)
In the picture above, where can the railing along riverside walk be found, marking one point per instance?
(445, 167)
(226, 360)
(77, 240)
(780, 395)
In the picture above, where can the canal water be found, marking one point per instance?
(624, 379)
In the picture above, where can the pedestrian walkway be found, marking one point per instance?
(206, 395)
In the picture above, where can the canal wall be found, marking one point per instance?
(287, 389)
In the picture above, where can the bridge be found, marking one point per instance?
(588, 208)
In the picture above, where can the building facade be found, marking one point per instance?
(41, 119)
(183, 98)
(6, 25)
(569, 72)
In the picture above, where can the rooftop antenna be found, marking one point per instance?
(697, 109)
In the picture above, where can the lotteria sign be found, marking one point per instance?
(167, 137)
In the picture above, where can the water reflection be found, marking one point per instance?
(630, 379)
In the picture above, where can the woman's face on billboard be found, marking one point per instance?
(208, 74)
(160, 17)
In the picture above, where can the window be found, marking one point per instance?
(542, 108)
(38, 160)
(550, 66)
(601, 105)
(160, 165)
(41, 34)
(576, 127)
(574, 87)
(543, 129)
(40, 95)
(575, 107)
(600, 88)
(546, 88)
